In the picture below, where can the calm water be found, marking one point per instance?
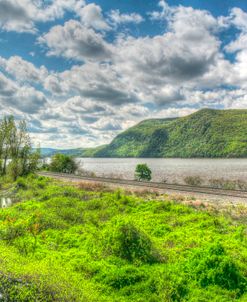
(171, 170)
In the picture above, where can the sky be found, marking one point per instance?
(80, 72)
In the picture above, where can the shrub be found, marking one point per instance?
(63, 163)
(143, 172)
(132, 244)
(215, 267)
(122, 277)
(193, 180)
(14, 169)
(21, 184)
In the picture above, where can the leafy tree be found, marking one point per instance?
(62, 163)
(15, 146)
(143, 172)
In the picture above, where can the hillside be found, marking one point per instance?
(206, 133)
(48, 152)
(80, 152)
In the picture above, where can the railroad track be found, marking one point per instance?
(153, 185)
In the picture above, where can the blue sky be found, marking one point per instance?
(82, 71)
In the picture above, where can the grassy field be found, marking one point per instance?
(67, 243)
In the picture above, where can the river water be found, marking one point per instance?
(168, 169)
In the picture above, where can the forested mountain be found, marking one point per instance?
(206, 133)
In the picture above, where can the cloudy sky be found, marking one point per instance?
(80, 72)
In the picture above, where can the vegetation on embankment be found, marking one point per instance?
(206, 133)
(62, 243)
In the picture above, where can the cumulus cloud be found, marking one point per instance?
(184, 54)
(76, 41)
(164, 65)
(22, 15)
(7, 87)
(162, 14)
(91, 16)
(23, 98)
(238, 18)
(98, 82)
(22, 70)
(15, 16)
(117, 18)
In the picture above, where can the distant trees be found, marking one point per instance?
(16, 155)
(62, 163)
(143, 172)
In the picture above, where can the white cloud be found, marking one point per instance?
(238, 18)
(239, 44)
(117, 18)
(22, 15)
(76, 41)
(22, 98)
(91, 16)
(162, 14)
(22, 70)
(179, 57)
(98, 82)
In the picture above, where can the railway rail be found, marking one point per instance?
(153, 185)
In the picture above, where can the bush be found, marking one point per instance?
(143, 172)
(21, 184)
(132, 244)
(214, 267)
(122, 277)
(62, 163)
(14, 169)
(193, 180)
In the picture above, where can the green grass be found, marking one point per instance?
(206, 133)
(61, 243)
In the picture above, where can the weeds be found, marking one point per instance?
(89, 243)
(193, 180)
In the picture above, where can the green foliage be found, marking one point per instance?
(143, 172)
(15, 145)
(214, 267)
(14, 168)
(62, 163)
(206, 133)
(130, 243)
(62, 243)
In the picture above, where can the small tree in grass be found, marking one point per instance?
(143, 172)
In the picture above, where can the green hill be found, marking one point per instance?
(206, 133)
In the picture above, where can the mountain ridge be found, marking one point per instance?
(207, 133)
